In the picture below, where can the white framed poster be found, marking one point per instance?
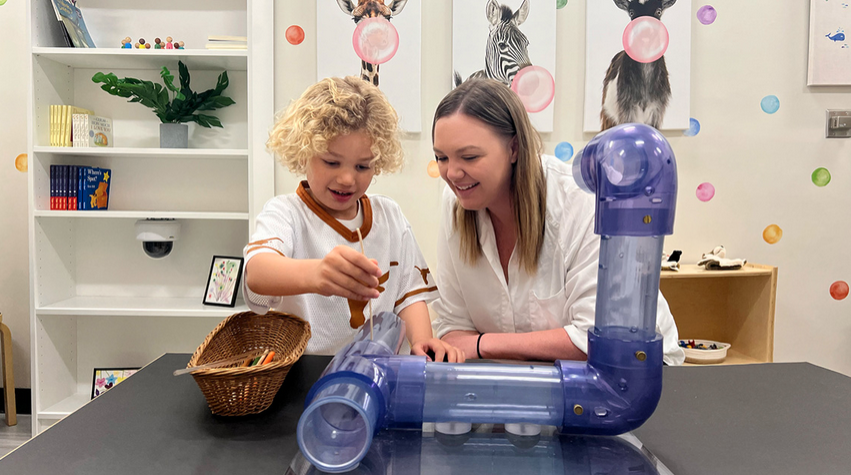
(523, 31)
(830, 58)
(398, 78)
(605, 23)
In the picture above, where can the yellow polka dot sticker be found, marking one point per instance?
(772, 234)
(21, 163)
(433, 170)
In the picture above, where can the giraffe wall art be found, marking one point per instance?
(398, 78)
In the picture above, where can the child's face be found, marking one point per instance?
(340, 176)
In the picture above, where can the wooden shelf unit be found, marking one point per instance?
(735, 306)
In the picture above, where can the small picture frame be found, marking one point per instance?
(104, 379)
(223, 281)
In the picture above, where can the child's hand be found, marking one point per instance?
(346, 273)
(442, 351)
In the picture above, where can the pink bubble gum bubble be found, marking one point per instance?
(535, 86)
(645, 39)
(375, 40)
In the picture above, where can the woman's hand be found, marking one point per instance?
(346, 273)
(442, 351)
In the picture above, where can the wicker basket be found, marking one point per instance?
(236, 391)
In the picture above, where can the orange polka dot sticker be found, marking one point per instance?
(433, 170)
(295, 34)
(21, 163)
(839, 290)
(772, 234)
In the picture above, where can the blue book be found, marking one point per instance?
(53, 177)
(72, 19)
(94, 188)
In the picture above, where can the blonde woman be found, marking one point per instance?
(305, 258)
(517, 253)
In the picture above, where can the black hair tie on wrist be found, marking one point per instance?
(478, 342)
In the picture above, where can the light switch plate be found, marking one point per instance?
(838, 124)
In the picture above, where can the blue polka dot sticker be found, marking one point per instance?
(770, 104)
(693, 128)
(564, 151)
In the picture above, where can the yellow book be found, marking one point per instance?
(63, 110)
(226, 38)
(50, 126)
(226, 46)
(54, 126)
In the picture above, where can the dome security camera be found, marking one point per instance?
(157, 236)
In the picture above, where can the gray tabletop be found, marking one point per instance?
(773, 418)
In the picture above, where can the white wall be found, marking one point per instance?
(760, 164)
(14, 270)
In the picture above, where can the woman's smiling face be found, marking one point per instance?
(474, 161)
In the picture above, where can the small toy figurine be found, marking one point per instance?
(181, 45)
(168, 44)
(158, 43)
(142, 43)
(137, 46)
(126, 43)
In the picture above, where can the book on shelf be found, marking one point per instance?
(72, 22)
(94, 185)
(74, 187)
(91, 131)
(242, 39)
(61, 124)
(227, 42)
(219, 45)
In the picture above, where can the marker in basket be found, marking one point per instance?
(269, 357)
(218, 364)
(360, 237)
(259, 360)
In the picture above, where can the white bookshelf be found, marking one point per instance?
(182, 215)
(96, 299)
(137, 306)
(116, 58)
(211, 153)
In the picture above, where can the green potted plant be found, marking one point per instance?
(174, 106)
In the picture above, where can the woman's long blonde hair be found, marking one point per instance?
(500, 108)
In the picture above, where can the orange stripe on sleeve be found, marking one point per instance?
(412, 293)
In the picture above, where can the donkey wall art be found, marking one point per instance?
(497, 38)
(620, 89)
(400, 77)
(633, 91)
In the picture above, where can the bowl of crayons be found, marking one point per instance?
(704, 351)
(243, 362)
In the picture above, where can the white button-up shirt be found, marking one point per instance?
(562, 293)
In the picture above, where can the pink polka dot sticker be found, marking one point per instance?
(705, 192)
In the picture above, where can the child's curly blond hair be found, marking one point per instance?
(332, 107)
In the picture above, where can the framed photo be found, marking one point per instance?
(104, 379)
(223, 281)
(829, 51)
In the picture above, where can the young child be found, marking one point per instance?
(304, 257)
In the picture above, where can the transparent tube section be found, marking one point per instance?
(486, 393)
(628, 287)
